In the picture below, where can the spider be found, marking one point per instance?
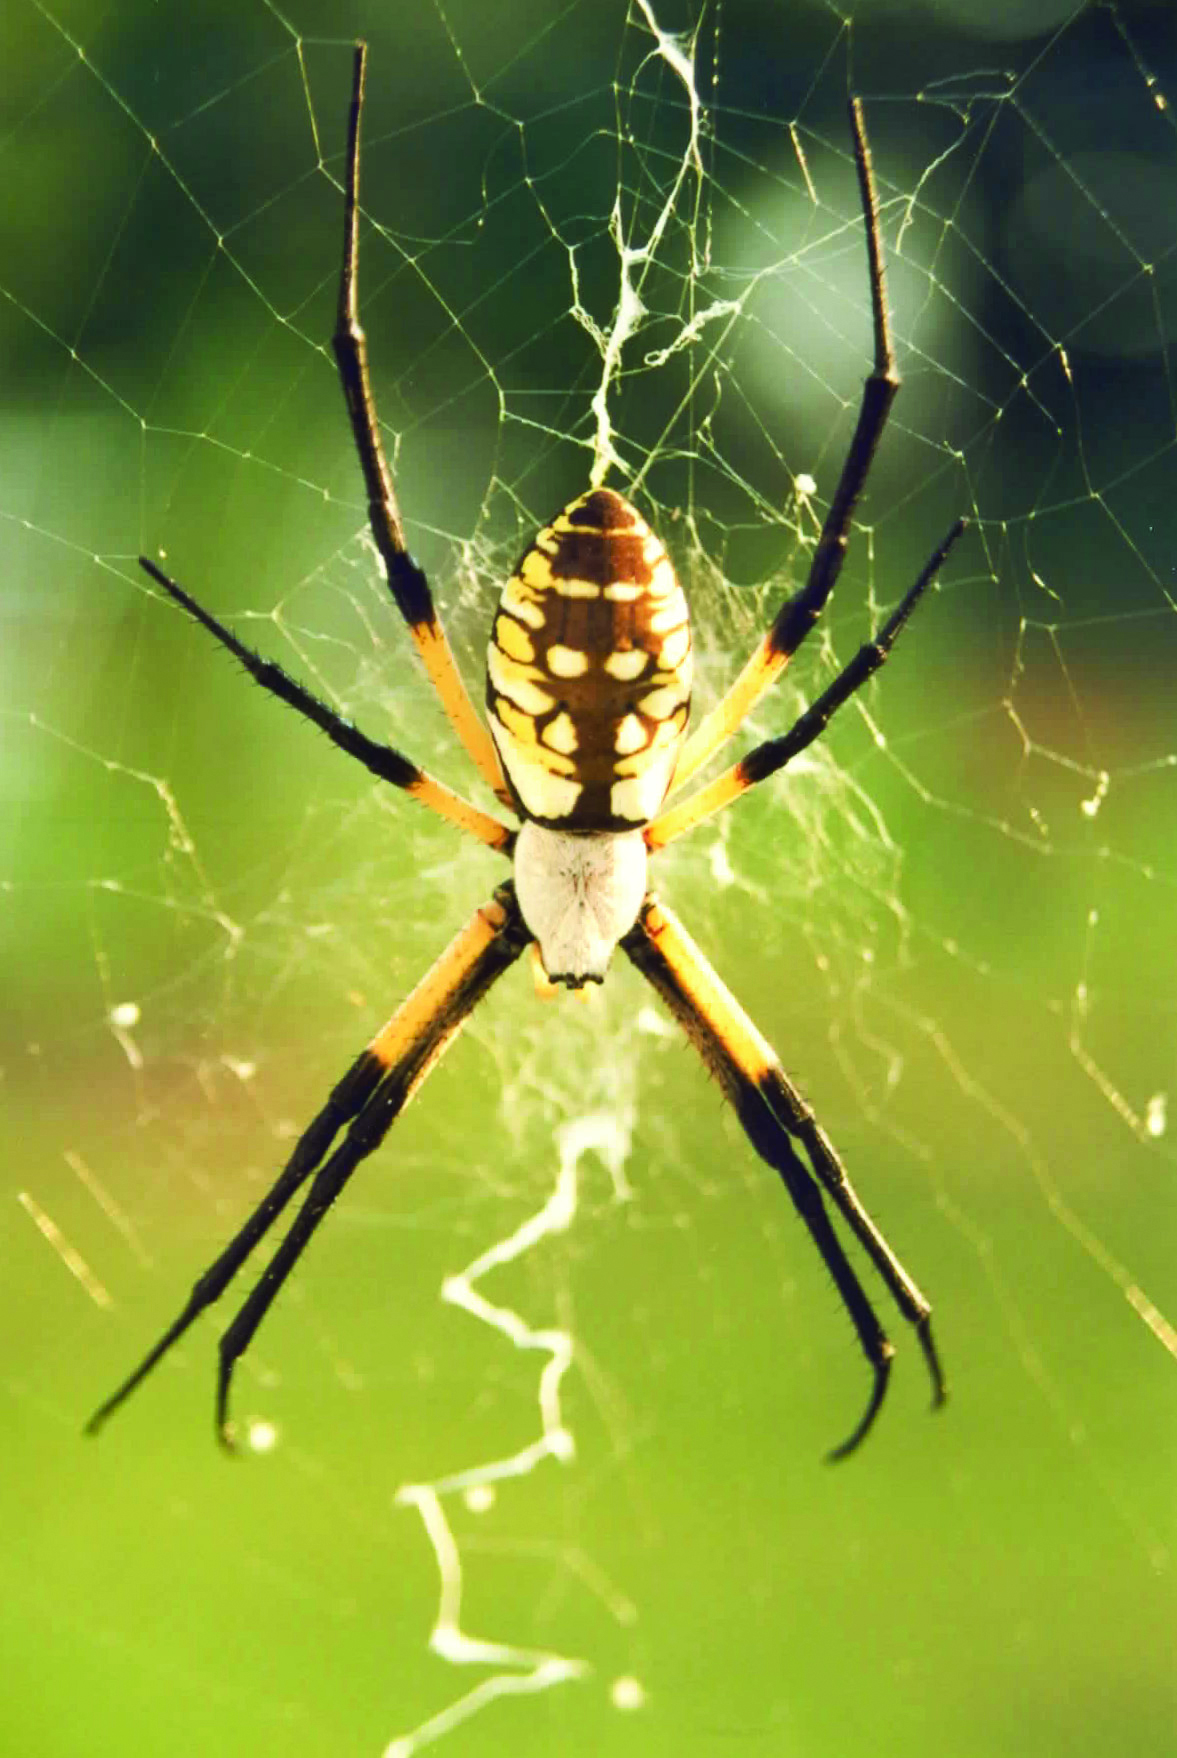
(587, 700)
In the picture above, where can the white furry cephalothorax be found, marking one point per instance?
(579, 894)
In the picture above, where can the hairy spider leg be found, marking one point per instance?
(765, 759)
(381, 760)
(368, 1099)
(771, 1111)
(797, 616)
(406, 580)
(346, 1100)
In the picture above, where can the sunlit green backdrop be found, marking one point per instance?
(956, 924)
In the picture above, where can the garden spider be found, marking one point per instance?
(588, 689)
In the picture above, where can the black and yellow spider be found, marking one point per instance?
(587, 697)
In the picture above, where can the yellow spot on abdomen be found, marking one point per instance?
(630, 736)
(523, 603)
(516, 682)
(660, 704)
(625, 667)
(513, 640)
(566, 662)
(675, 648)
(560, 734)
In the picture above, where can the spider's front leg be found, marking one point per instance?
(367, 1101)
(773, 1113)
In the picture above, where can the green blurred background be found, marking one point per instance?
(955, 921)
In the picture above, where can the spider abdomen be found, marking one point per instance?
(589, 670)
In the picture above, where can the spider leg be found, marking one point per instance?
(771, 1111)
(380, 760)
(765, 759)
(346, 1100)
(370, 1097)
(406, 579)
(797, 616)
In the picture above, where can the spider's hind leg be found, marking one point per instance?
(797, 616)
(407, 581)
(772, 755)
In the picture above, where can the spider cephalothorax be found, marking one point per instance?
(587, 697)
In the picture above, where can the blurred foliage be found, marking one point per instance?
(959, 936)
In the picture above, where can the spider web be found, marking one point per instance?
(542, 1412)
